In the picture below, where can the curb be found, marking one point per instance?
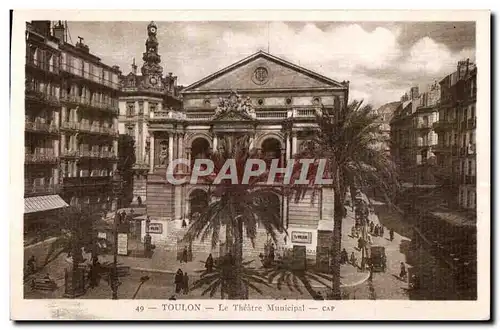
(356, 283)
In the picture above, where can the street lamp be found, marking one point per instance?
(114, 272)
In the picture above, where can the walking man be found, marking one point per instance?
(391, 234)
(185, 284)
(178, 281)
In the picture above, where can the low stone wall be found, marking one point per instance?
(41, 250)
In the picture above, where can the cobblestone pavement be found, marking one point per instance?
(160, 286)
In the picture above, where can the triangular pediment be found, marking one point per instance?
(263, 71)
(232, 116)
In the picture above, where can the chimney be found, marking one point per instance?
(42, 27)
(60, 31)
(134, 67)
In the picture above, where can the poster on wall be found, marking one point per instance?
(155, 228)
(122, 244)
(301, 237)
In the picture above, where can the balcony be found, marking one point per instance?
(423, 126)
(469, 179)
(100, 130)
(88, 76)
(470, 150)
(38, 127)
(443, 125)
(33, 94)
(44, 189)
(86, 181)
(95, 154)
(259, 114)
(44, 66)
(471, 123)
(80, 101)
(37, 158)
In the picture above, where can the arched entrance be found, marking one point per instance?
(271, 149)
(198, 203)
(200, 149)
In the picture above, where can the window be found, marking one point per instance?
(130, 109)
(466, 199)
(130, 130)
(153, 107)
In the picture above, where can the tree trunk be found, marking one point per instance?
(336, 245)
(238, 259)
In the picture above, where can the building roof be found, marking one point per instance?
(262, 54)
(457, 218)
(43, 203)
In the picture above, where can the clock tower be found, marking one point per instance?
(151, 69)
(145, 93)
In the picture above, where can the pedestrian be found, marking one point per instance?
(139, 201)
(178, 280)
(184, 223)
(382, 231)
(185, 284)
(209, 263)
(147, 245)
(377, 230)
(371, 227)
(360, 243)
(184, 257)
(402, 273)
(353, 259)
(353, 231)
(391, 234)
(344, 258)
(271, 253)
(31, 264)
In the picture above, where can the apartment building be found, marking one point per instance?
(456, 129)
(71, 126)
(412, 136)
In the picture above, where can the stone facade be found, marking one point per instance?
(281, 100)
(142, 94)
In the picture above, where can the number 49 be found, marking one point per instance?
(139, 308)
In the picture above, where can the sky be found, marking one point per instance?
(382, 60)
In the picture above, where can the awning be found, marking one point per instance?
(43, 203)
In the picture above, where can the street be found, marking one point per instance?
(436, 280)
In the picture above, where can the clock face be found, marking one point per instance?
(153, 81)
(152, 29)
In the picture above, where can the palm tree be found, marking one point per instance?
(237, 207)
(296, 278)
(223, 276)
(349, 141)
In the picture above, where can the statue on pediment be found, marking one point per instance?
(235, 103)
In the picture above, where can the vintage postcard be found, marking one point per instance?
(251, 165)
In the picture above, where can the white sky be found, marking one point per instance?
(381, 60)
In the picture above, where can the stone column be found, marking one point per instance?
(294, 143)
(56, 176)
(177, 202)
(214, 143)
(63, 143)
(151, 153)
(170, 147)
(63, 114)
(56, 147)
(180, 151)
(287, 147)
(115, 147)
(284, 211)
(56, 119)
(282, 157)
(188, 156)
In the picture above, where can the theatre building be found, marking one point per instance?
(280, 101)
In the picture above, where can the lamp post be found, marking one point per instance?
(114, 272)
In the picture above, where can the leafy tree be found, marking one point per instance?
(236, 207)
(126, 160)
(349, 141)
